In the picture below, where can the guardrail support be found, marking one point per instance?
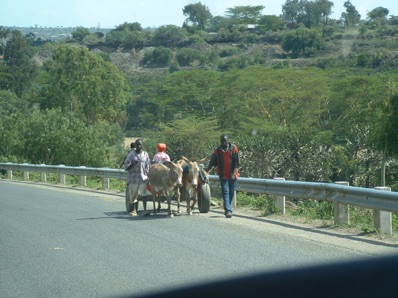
(61, 177)
(43, 176)
(25, 175)
(383, 219)
(105, 183)
(341, 211)
(83, 179)
(9, 174)
(280, 201)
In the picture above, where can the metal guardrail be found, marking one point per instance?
(357, 196)
(383, 202)
(61, 169)
(363, 197)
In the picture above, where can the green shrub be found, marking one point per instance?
(314, 209)
(260, 202)
(195, 39)
(174, 67)
(229, 51)
(213, 57)
(303, 42)
(159, 57)
(362, 218)
(187, 57)
(240, 62)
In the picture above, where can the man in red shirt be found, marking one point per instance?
(226, 159)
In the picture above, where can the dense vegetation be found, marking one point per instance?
(304, 96)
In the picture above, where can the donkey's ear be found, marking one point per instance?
(184, 158)
(202, 160)
(167, 163)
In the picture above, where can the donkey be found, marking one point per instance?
(190, 180)
(164, 178)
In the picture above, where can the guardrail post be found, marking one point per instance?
(43, 176)
(280, 201)
(61, 176)
(25, 175)
(83, 179)
(9, 174)
(383, 219)
(341, 212)
(105, 183)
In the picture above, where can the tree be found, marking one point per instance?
(135, 26)
(57, 137)
(355, 112)
(315, 13)
(170, 36)
(378, 16)
(82, 82)
(187, 56)
(20, 68)
(390, 130)
(308, 16)
(5, 76)
(310, 13)
(270, 23)
(291, 11)
(173, 97)
(393, 20)
(198, 15)
(245, 14)
(351, 16)
(303, 42)
(324, 9)
(186, 136)
(284, 120)
(128, 35)
(220, 23)
(13, 111)
(277, 104)
(385, 137)
(160, 57)
(80, 33)
(4, 35)
(54, 136)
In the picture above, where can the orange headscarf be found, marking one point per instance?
(162, 147)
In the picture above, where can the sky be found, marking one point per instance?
(149, 13)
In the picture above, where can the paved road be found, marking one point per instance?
(60, 242)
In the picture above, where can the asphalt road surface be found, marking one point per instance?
(63, 242)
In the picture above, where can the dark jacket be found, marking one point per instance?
(217, 159)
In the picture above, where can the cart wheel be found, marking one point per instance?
(129, 206)
(204, 198)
